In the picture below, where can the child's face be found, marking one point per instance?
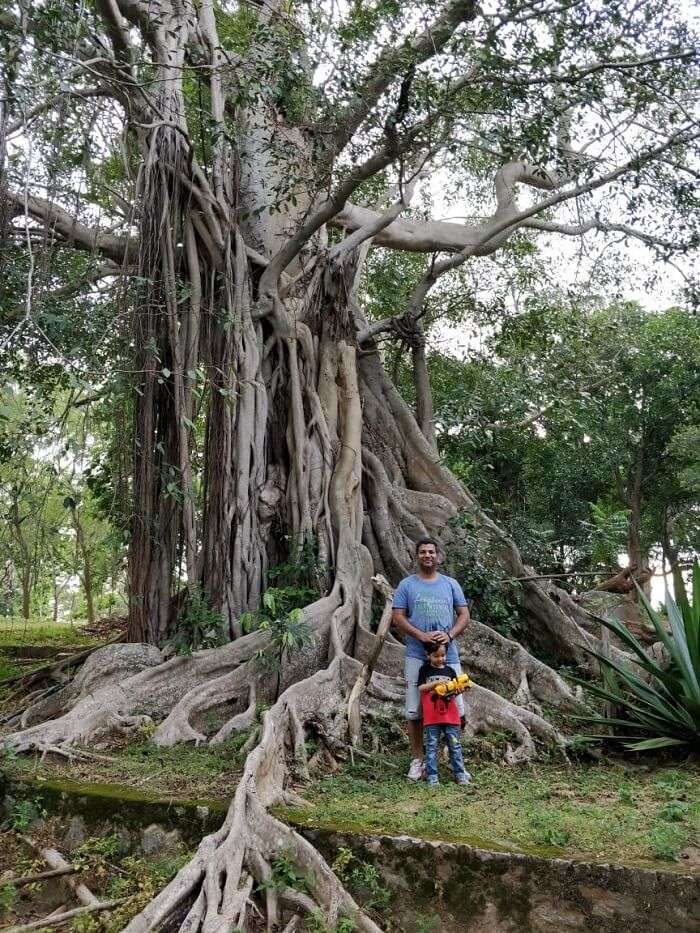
(437, 656)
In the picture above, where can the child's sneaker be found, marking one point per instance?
(464, 778)
(433, 783)
(416, 772)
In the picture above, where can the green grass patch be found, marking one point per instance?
(182, 771)
(9, 668)
(598, 810)
(14, 631)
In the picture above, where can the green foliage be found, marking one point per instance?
(608, 532)
(317, 923)
(288, 633)
(661, 709)
(666, 842)
(284, 874)
(58, 529)
(298, 582)
(548, 831)
(139, 881)
(302, 570)
(101, 846)
(548, 422)
(363, 880)
(8, 895)
(25, 812)
(198, 626)
(468, 562)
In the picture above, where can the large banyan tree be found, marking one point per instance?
(228, 168)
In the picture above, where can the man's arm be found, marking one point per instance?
(400, 620)
(462, 621)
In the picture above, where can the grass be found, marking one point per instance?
(17, 631)
(182, 771)
(597, 810)
(9, 668)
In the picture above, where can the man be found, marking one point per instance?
(424, 609)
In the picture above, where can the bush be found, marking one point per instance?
(198, 626)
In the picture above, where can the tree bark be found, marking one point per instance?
(86, 576)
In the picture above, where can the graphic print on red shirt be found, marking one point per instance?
(437, 710)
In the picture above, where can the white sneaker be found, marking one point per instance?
(417, 770)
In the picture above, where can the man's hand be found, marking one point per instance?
(432, 638)
(440, 638)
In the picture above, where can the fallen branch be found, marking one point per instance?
(365, 675)
(68, 915)
(353, 750)
(42, 876)
(55, 860)
(56, 667)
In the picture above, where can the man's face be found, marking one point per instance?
(427, 557)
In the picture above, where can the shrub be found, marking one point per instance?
(664, 709)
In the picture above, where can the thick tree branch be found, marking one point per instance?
(484, 238)
(46, 105)
(394, 61)
(73, 232)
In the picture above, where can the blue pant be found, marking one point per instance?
(431, 738)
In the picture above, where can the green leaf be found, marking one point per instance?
(647, 745)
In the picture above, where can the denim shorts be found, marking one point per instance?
(411, 670)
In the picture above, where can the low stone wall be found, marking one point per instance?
(106, 808)
(438, 886)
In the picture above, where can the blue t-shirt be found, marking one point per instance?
(429, 606)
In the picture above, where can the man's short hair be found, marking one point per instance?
(422, 541)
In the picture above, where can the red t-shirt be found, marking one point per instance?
(437, 710)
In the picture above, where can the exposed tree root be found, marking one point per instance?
(107, 697)
(234, 868)
(492, 660)
(246, 846)
(220, 876)
(486, 711)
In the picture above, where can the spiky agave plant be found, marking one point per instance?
(662, 709)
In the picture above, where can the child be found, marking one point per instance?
(440, 717)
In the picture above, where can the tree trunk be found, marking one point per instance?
(671, 557)
(26, 595)
(56, 594)
(86, 576)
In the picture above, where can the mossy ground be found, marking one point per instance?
(621, 811)
(181, 772)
